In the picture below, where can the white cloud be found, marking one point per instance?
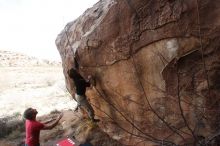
(31, 26)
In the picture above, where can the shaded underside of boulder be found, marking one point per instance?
(156, 63)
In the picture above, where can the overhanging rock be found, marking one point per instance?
(157, 66)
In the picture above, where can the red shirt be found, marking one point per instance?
(33, 132)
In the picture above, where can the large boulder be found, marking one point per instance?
(157, 67)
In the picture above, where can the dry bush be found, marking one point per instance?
(11, 127)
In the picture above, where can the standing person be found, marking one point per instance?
(80, 96)
(33, 127)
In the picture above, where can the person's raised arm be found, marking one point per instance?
(53, 124)
(48, 121)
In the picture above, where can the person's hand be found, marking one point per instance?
(89, 77)
(91, 80)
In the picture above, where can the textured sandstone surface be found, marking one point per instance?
(157, 67)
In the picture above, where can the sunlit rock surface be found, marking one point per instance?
(157, 67)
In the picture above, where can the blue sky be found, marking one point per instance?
(31, 26)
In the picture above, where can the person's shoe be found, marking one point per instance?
(95, 120)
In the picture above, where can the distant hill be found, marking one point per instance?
(13, 59)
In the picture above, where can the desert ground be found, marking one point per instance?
(39, 87)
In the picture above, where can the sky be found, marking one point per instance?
(31, 26)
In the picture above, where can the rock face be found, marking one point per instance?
(157, 67)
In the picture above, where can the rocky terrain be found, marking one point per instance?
(13, 59)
